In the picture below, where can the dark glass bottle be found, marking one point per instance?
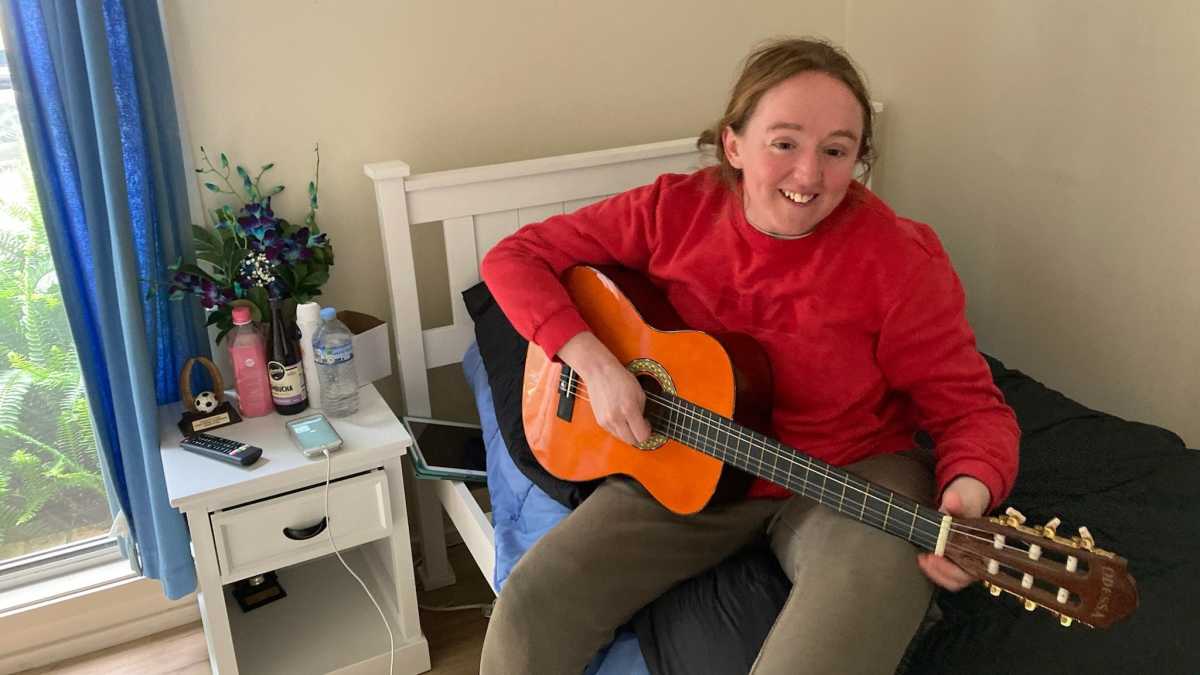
(285, 367)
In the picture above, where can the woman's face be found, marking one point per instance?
(797, 153)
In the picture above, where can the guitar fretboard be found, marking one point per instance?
(762, 456)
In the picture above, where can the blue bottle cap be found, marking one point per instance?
(328, 313)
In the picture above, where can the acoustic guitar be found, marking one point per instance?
(708, 401)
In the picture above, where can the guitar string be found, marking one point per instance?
(931, 544)
(959, 528)
(755, 444)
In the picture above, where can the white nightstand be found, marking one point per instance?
(236, 516)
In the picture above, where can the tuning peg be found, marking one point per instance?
(1030, 605)
(1049, 528)
(993, 588)
(1015, 517)
(1065, 620)
(1085, 539)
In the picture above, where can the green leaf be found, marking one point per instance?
(193, 269)
(317, 278)
(268, 167)
(276, 190)
(301, 271)
(224, 161)
(258, 295)
(212, 187)
(287, 275)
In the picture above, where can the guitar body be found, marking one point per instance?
(727, 374)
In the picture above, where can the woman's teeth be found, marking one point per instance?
(798, 197)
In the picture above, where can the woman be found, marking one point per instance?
(863, 319)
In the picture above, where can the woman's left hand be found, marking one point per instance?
(964, 497)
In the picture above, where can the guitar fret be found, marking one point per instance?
(862, 515)
(887, 513)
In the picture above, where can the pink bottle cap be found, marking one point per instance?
(241, 315)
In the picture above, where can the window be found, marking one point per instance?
(54, 512)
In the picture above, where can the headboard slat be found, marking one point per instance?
(462, 262)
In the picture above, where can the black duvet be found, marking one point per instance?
(1135, 486)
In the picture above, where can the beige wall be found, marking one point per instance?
(1054, 148)
(443, 84)
(1050, 144)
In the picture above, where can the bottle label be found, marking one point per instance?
(333, 355)
(287, 383)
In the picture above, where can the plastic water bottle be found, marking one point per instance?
(333, 351)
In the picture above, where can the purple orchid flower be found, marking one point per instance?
(258, 219)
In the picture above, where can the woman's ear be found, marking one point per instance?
(732, 145)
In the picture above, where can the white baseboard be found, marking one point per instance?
(89, 622)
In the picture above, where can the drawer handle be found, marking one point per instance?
(302, 533)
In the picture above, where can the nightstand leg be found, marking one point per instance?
(212, 596)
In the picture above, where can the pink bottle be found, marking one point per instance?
(249, 355)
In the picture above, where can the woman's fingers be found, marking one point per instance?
(943, 572)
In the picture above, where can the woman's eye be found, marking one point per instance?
(835, 152)
(783, 145)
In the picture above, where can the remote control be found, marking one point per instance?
(234, 452)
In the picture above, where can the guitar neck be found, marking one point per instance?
(762, 456)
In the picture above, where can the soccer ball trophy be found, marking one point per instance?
(208, 409)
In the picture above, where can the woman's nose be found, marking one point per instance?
(807, 169)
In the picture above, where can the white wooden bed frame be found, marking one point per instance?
(478, 207)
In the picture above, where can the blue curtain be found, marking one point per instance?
(94, 94)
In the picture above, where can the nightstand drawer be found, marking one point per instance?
(289, 529)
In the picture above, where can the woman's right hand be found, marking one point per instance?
(617, 400)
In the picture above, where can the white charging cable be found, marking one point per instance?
(329, 531)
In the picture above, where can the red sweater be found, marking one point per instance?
(863, 320)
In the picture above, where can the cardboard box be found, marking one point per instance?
(372, 357)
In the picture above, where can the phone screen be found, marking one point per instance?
(314, 433)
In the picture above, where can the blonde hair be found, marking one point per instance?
(772, 63)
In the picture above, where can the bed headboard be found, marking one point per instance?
(477, 207)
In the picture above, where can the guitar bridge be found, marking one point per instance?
(567, 386)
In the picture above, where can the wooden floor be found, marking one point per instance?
(455, 637)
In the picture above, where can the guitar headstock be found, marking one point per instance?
(1071, 578)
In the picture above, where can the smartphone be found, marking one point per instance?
(314, 435)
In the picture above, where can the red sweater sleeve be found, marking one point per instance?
(927, 350)
(523, 271)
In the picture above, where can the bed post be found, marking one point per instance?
(395, 231)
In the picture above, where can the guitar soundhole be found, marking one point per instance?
(655, 382)
(649, 384)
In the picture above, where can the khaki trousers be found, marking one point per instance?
(857, 598)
